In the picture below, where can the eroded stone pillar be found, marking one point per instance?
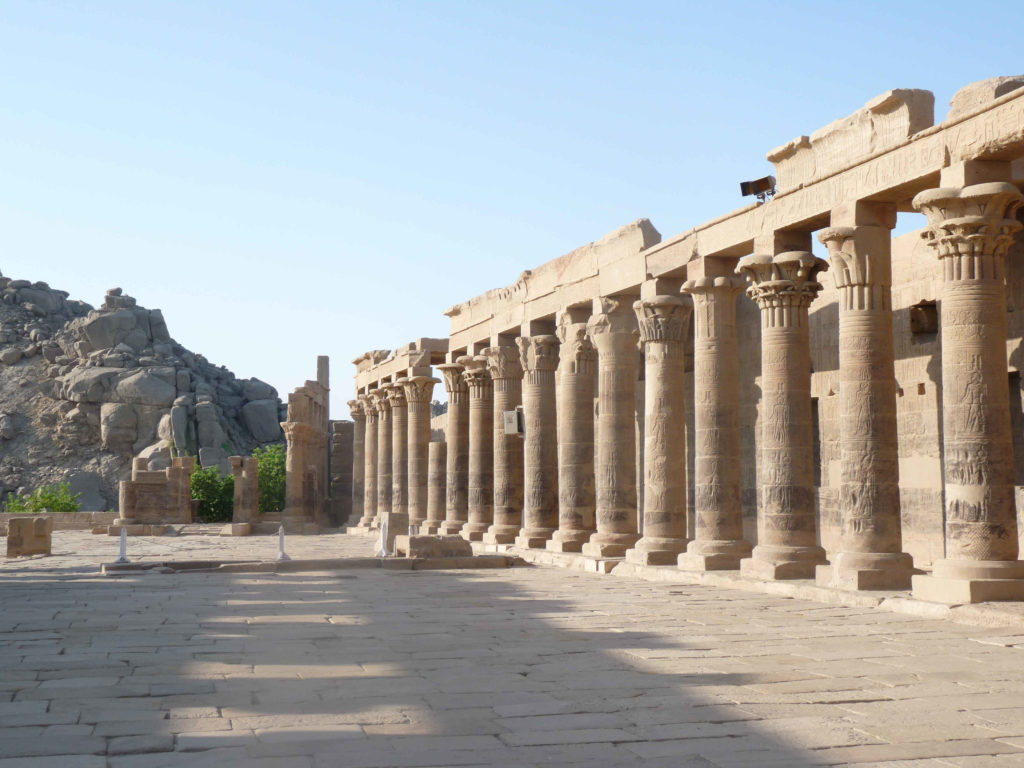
(784, 287)
(663, 322)
(870, 549)
(971, 228)
(613, 331)
(384, 493)
(437, 470)
(369, 463)
(398, 523)
(577, 369)
(355, 407)
(418, 392)
(481, 447)
(539, 358)
(718, 542)
(457, 440)
(507, 377)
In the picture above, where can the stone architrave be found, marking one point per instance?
(783, 286)
(539, 358)
(369, 463)
(481, 447)
(437, 470)
(383, 408)
(663, 323)
(718, 542)
(398, 523)
(577, 370)
(247, 489)
(418, 393)
(971, 229)
(613, 331)
(358, 460)
(507, 378)
(457, 440)
(870, 555)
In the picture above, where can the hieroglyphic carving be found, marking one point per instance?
(418, 393)
(355, 407)
(480, 495)
(369, 462)
(505, 368)
(398, 522)
(383, 408)
(539, 358)
(457, 439)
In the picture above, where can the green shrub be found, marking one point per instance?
(215, 493)
(49, 498)
(271, 477)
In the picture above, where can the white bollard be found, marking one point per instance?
(383, 550)
(280, 545)
(123, 557)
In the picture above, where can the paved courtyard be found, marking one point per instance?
(520, 667)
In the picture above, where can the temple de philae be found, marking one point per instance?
(787, 390)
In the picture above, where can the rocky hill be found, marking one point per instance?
(83, 391)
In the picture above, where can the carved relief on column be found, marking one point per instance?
(418, 393)
(380, 402)
(971, 229)
(870, 555)
(437, 470)
(457, 439)
(539, 359)
(399, 521)
(663, 322)
(577, 369)
(369, 463)
(481, 447)
(507, 375)
(784, 287)
(612, 330)
(718, 542)
(358, 461)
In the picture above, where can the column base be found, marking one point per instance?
(534, 538)
(451, 527)
(651, 550)
(971, 581)
(500, 534)
(714, 555)
(568, 540)
(855, 571)
(431, 527)
(609, 544)
(772, 563)
(417, 526)
(474, 531)
(365, 521)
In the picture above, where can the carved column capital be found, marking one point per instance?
(786, 281)
(662, 318)
(538, 353)
(452, 374)
(706, 289)
(972, 227)
(503, 363)
(476, 376)
(576, 351)
(616, 316)
(395, 394)
(355, 407)
(418, 389)
(380, 401)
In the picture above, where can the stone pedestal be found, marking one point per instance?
(418, 393)
(971, 229)
(398, 522)
(613, 332)
(247, 489)
(481, 447)
(577, 369)
(784, 287)
(29, 536)
(507, 377)
(539, 358)
(437, 469)
(380, 401)
(457, 441)
(358, 461)
(718, 542)
(663, 322)
(369, 463)
(870, 555)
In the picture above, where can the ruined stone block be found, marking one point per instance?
(29, 536)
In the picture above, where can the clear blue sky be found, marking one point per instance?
(302, 178)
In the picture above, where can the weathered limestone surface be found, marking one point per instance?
(358, 461)
(307, 466)
(457, 439)
(437, 470)
(481, 447)
(29, 536)
(342, 450)
(418, 391)
(369, 462)
(247, 489)
(158, 496)
(539, 359)
(507, 380)
(383, 406)
(398, 521)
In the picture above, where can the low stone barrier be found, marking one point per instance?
(67, 521)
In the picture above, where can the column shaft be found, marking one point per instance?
(507, 376)
(358, 461)
(383, 457)
(481, 447)
(457, 439)
(437, 460)
(370, 464)
(418, 393)
(539, 358)
(399, 521)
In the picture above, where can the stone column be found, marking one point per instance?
(399, 522)
(369, 463)
(380, 401)
(971, 228)
(577, 368)
(418, 393)
(784, 287)
(870, 555)
(457, 440)
(507, 376)
(437, 461)
(481, 447)
(718, 542)
(613, 331)
(358, 461)
(539, 358)
(663, 323)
